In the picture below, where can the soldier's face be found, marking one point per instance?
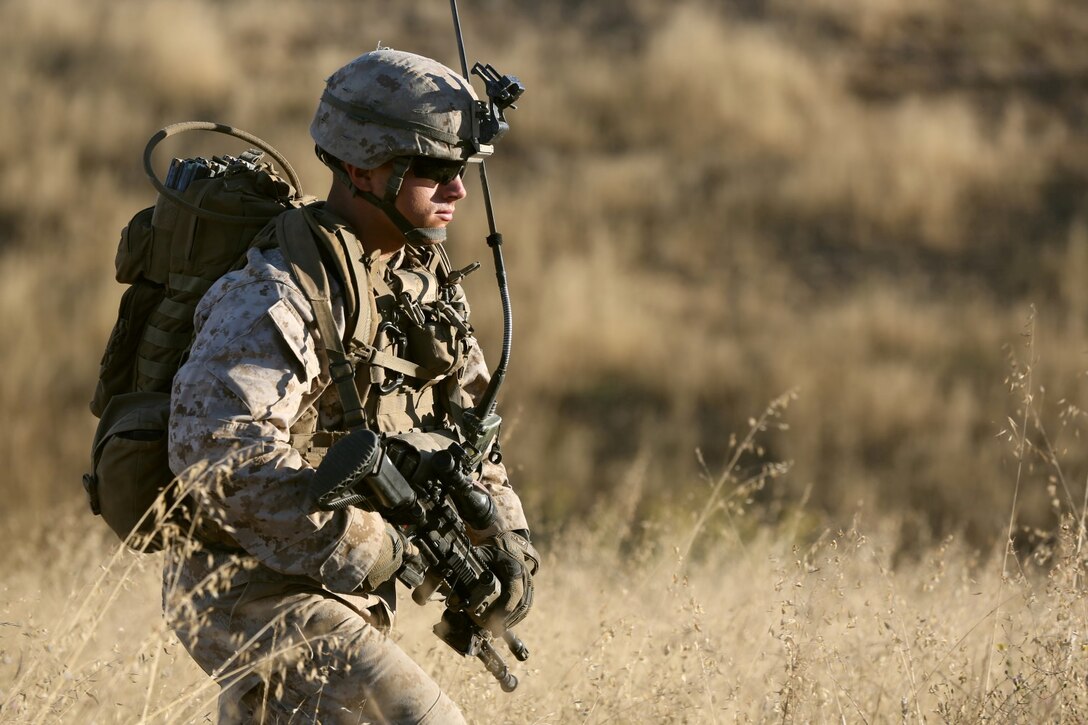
(424, 202)
(429, 204)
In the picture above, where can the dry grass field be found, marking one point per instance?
(871, 215)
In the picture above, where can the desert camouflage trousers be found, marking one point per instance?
(282, 653)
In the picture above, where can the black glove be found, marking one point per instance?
(395, 551)
(514, 561)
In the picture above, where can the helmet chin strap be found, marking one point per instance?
(387, 203)
(414, 235)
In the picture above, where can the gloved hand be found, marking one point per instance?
(396, 549)
(514, 561)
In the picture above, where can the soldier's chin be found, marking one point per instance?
(421, 241)
(439, 225)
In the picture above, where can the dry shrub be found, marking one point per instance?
(915, 167)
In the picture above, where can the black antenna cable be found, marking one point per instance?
(502, 92)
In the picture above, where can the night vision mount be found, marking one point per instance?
(502, 92)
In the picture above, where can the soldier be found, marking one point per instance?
(289, 607)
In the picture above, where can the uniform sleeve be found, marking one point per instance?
(252, 371)
(494, 478)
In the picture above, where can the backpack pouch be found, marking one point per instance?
(142, 252)
(131, 472)
(117, 371)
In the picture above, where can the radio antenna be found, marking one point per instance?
(502, 91)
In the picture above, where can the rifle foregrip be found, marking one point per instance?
(431, 581)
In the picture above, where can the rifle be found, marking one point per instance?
(429, 495)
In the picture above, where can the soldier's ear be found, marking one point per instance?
(362, 179)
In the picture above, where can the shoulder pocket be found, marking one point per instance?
(292, 329)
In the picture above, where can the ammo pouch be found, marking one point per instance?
(130, 479)
(433, 345)
(434, 329)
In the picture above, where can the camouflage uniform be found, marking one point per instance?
(278, 579)
(273, 603)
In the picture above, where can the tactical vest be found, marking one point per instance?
(400, 370)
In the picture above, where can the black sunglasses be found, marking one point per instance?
(441, 170)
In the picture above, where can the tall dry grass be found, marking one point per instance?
(786, 623)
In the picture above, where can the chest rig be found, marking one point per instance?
(399, 364)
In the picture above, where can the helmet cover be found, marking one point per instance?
(390, 103)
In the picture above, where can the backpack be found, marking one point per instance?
(207, 215)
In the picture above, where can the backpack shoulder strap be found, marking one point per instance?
(345, 255)
(296, 235)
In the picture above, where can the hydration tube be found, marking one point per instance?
(176, 128)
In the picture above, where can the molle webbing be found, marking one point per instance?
(187, 283)
(168, 340)
(306, 262)
(168, 332)
(155, 370)
(179, 311)
(173, 333)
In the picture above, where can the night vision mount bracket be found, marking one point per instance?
(503, 91)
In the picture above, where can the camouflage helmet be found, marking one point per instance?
(389, 103)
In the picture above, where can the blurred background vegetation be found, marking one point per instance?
(876, 203)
